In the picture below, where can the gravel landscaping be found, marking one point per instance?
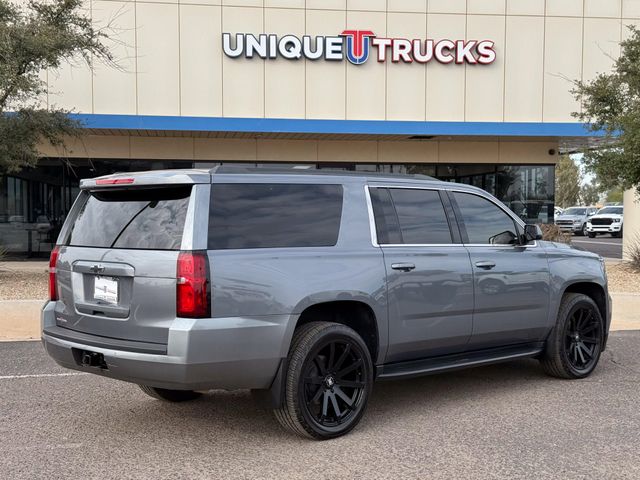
(622, 278)
(24, 281)
(29, 280)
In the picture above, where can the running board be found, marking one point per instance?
(430, 366)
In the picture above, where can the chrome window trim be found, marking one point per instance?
(196, 226)
(372, 221)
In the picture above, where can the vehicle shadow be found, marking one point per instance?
(236, 414)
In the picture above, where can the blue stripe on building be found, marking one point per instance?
(354, 127)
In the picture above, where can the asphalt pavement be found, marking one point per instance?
(504, 421)
(604, 245)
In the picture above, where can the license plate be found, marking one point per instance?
(106, 289)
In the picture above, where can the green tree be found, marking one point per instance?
(590, 193)
(615, 195)
(611, 103)
(567, 182)
(38, 36)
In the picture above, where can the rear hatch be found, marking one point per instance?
(116, 269)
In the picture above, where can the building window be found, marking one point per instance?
(35, 202)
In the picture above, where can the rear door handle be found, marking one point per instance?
(405, 267)
(485, 264)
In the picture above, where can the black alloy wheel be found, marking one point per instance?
(574, 345)
(328, 381)
(334, 383)
(583, 337)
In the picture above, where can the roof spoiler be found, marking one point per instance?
(150, 178)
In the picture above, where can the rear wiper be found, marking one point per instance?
(131, 221)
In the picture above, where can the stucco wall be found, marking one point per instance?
(365, 151)
(171, 59)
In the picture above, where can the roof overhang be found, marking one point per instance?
(571, 134)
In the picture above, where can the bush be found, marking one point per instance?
(552, 233)
(633, 253)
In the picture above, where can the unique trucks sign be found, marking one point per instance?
(356, 46)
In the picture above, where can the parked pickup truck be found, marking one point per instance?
(307, 287)
(607, 220)
(574, 219)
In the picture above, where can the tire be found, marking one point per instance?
(575, 343)
(583, 230)
(170, 395)
(328, 381)
(592, 235)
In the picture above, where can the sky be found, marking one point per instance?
(585, 177)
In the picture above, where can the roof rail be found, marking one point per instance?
(311, 170)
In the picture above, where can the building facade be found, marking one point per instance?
(474, 91)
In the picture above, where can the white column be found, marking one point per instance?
(631, 223)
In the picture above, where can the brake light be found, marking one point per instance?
(53, 260)
(114, 181)
(192, 289)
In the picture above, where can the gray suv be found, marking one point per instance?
(305, 287)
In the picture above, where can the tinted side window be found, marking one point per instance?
(144, 218)
(409, 216)
(485, 222)
(421, 216)
(387, 228)
(253, 215)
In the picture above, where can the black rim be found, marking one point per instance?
(582, 338)
(334, 383)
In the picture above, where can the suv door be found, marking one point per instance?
(429, 277)
(511, 281)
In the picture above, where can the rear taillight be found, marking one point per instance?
(115, 181)
(53, 260)
(192, 290)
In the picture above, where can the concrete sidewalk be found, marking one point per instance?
(626, 311)
(20, 319)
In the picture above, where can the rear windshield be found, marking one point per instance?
(255, 215)
(149, 219)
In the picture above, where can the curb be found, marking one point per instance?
(20, 319)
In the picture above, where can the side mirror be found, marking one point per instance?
(532, 233)
(504, 238)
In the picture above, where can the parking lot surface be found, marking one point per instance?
(504, 421)
(604, 245)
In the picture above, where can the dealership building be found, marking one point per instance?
(472, 91)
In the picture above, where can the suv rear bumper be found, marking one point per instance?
(201, 354)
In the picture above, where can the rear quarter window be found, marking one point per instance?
(145, 218)
(256, 215)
